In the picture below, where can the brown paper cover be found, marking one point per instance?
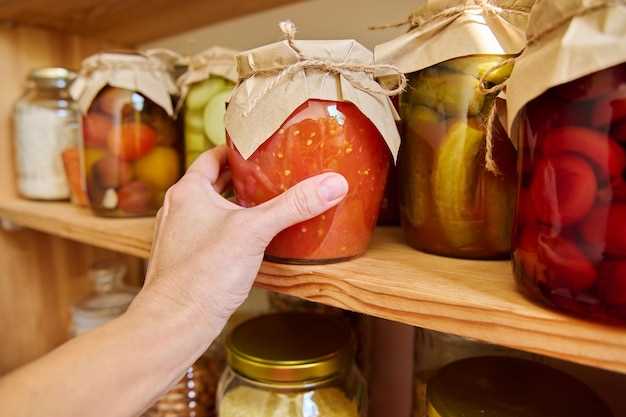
(445, 29)
(593, 40)
(147, 75)
(212, 61)
(254, 112)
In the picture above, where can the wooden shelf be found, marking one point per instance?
(469, 298)
(129, 22)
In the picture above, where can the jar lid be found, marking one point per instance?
(109, 299)
(52, 77)
(509, 387)
(290, 348)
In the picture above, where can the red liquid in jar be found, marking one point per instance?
(319, 136)
(570, 233)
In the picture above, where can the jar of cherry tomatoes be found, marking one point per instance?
(570, 234)
(131, 152)
(303, 108)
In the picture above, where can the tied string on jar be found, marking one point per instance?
(345, 69)
(532, 39)
(489, 123)
(416, 20)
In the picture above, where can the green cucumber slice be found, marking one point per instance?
(194, 120)
(214, 117)
(200, 93)
(195, 141)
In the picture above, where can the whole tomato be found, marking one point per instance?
(132, 140)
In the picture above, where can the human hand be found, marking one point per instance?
(207, 251)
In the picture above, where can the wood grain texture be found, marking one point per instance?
(40, 275)
(129, 21)
(392, 281)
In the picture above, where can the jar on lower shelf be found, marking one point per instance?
(193, 396)
(492, 386)
(291, 365)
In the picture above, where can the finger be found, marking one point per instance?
(304, 201)
(209, 164)
(223, 181)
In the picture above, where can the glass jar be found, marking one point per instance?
(131, 153)
(290, 365)
(204, 110)
(450, 204)
(434, 350)
(46, 123)
(192, 396)
(319, 136)
(109, 299)
(492, 386)
(570, 233)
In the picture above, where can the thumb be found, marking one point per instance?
(303, 201)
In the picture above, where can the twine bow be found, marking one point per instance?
(346, 69)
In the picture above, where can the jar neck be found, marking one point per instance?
(306, 385)
(48, 93)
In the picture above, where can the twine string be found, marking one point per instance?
(347, 70)
(414, 20)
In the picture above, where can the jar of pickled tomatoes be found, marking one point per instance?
(569, 246)
(130, 152)
(570, 239)
(282, 130)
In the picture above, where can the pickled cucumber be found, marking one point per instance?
(477, 66)
(499, 200)
(214, 117)
(200, 93)
(455, 178)
(424, 122)
(195, 141)
(415, 166)
(194, 120)
(448, 93)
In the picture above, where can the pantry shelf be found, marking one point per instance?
(477, 299)
(129, 22)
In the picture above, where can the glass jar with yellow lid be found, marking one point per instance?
(492, 386)
(291, 365)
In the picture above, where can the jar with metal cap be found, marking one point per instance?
(509, 387)
(46, 123)
(110, 297)
(291, 365)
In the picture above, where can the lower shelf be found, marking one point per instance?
(477, 299)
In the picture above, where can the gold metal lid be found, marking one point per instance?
(52, 77)
(509, 387)
(290, 348)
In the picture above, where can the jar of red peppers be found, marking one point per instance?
(456, 164)
(131, 152)
(570, 123)
(303, 108)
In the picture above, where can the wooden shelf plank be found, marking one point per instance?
(129, 22)
(470, 298)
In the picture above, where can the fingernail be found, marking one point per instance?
(333, 187)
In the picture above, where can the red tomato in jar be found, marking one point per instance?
(132, 140)
(563, 190)
(319, 136)
(96, 129)
(607, 156)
